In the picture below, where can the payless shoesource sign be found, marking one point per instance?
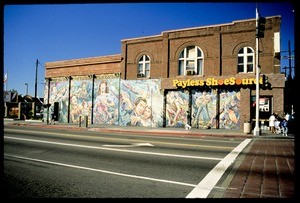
(216, 82)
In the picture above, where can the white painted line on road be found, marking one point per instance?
(129, 145)
(101, 171)
(203, 189)
(120, 139)
(113, 149)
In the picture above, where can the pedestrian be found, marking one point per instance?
(284, 126)
(287, 117)
(187, 127)
(272, 120)
(277, 126)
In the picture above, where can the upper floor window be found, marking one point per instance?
(191, 61)
(144, 66)
(245, 60)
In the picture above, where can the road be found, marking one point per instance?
(49, 163)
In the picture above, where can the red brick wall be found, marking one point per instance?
(220, 45)
(82, 67)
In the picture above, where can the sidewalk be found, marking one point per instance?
(266, 170)
(136, 129)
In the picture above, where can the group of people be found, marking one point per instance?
(280, 125)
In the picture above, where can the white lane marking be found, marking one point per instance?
(130, 145)
(210, 180)
(101, 171)
(167, 143)
(112, 149)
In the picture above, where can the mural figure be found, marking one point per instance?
(137, 111)
(140, 103)
(202, 115)
(176, 109)
(59, 93)
(229, 111)
(81, 90)
(147, 119)
(80, 100)
(105, 105)
(76, 109)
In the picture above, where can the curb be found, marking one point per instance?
(167, 132)
(153, 131)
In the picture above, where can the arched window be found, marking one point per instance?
(144, 66)
(245, 60)
(191, 61)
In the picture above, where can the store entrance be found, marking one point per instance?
(265, 108)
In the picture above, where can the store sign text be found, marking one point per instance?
(216, 82)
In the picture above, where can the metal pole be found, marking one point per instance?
(35, 88)
(26, 88)
(290, 61)
(256, 131)
(119, 104)
(48, 100)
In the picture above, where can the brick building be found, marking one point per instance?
(202, 76)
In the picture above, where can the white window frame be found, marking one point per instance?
(185, 59)
(143, 69)
(245, 62)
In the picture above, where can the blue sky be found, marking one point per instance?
(70, 31)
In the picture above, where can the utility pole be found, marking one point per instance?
(35, 87)
(290, 62)
(259, 34)
(26, 88)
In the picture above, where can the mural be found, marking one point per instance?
(141, 103)
(230, 110)
(203, 113)
(59, 92)
(177, 106)
(106, 102)
(45, 113)
(204, 109)
(80, 99)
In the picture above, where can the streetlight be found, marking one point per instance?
(26, 88)
(260, 23)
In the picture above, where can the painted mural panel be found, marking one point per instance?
(106, 101)
(141, 103)
(230, 110)
(80, 99)
(59, 92)
(204, 109)
(177, 106)
(45, 110)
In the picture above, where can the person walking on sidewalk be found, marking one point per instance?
(287, 116)
(272, 120)
(284, 126)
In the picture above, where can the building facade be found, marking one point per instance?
(202, 76)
